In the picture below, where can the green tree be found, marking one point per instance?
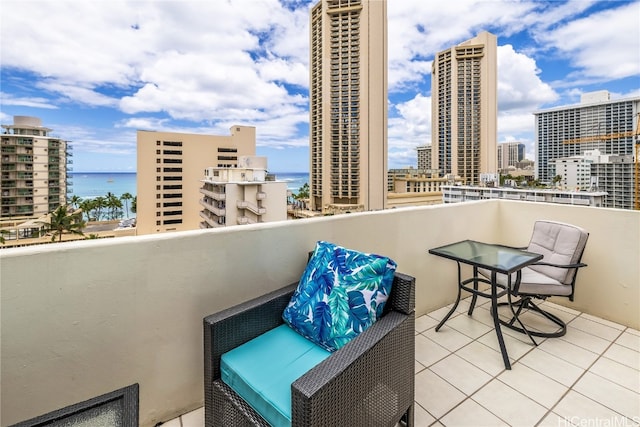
(62, 222)
(75, 201)
(87, 206)
(2, 232)
(99, 204)
(114, 206)
(126, 197)
(556, 179)
(134, 204)
(303, 192)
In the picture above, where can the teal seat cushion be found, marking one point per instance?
(262, 370)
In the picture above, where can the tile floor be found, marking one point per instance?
(589, 377)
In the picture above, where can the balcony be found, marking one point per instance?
(83, 318)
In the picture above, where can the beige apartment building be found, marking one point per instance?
(243, 195)
(33, 169)
(170, 167)
(464, 108)
(348, 105)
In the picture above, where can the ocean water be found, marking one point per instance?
(89, 185)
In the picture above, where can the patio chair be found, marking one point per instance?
(555, 275)
(367, 382)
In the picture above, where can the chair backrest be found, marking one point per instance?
(559, 243)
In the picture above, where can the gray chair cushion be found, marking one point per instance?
(559, 243)
(532, 282)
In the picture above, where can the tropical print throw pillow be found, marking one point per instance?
(340, 294)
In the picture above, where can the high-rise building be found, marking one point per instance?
(424, 156)
(597, 123)
(509, 154)
(170, 169)
(243, 195)
(33, 169)
(348, 105)
(464, 109)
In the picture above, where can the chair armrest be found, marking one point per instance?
(578, 265)
(234, 326)
(370, 378)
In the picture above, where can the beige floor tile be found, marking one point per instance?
(604, 321)
(194, 418)
(469, 413)
(439, 314)
(618, 373)
(428, 352)
(595, 328)
(448, 337)
(610, 394)
(623, 355)
(579, 410)
(587, 341)
(435, 394)
(468, 326)
(551, 366)
(463, 305)
(425, 322)
(569, 352)
(461, 374)
(509, 405)
(418, 367)
(483, 314)
(534, 385)
(553, 306)
(515, 347)
(633, 331)
(520, 336)
(565, 314)
(554, 420)
(630, 340)
(482, 356)
(421, 417)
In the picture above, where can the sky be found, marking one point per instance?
(97, 71)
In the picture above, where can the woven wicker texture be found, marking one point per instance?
(368, 382)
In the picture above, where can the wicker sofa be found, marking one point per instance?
(368, 382)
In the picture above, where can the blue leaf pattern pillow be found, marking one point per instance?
(340, 294)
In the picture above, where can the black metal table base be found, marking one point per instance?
(493, 296)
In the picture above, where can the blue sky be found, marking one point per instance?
(96, 71)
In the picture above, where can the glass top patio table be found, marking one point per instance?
(502, 259)
(492, 257)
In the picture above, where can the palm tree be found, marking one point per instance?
(99, 204)
(134, 204)
(303, 192)
(114, 205)
(75, 201)
(62, 222)
(87, 206)
(126, 197)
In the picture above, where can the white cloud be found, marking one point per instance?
(604, 45)
(519, 84)
(34, 102)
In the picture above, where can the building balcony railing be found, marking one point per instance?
(80, 319)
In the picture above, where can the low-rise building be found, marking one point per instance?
(245, 194)
(465, 193)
